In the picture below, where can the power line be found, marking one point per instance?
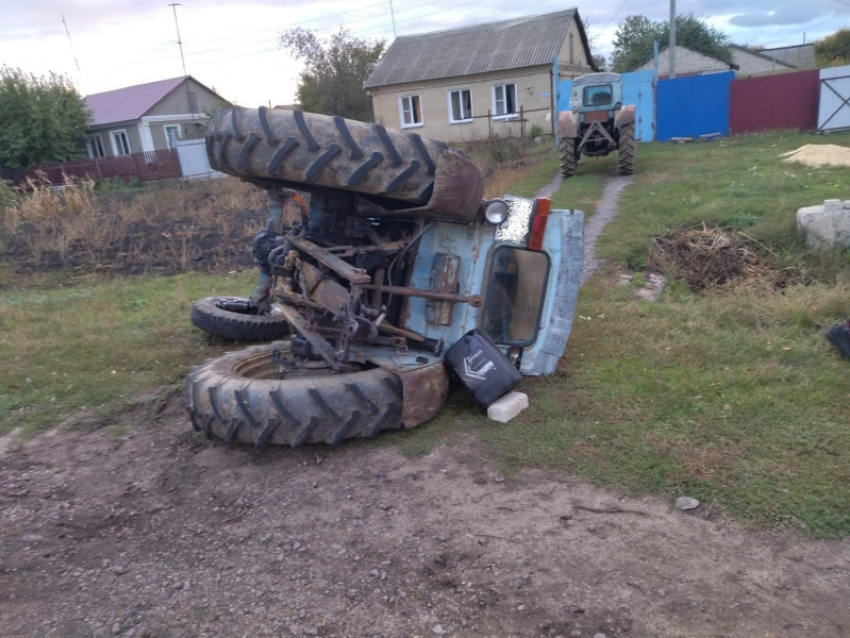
(615, 15)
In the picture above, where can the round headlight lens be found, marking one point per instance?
(496, 211)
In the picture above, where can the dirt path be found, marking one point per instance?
(605, 212)
(159, 535)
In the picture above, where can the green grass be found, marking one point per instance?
(581, 192)
(741, 182)
(90, 350)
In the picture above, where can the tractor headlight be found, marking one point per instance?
(495, 211)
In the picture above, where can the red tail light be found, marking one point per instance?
(538, 226)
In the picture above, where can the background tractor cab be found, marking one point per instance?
(597, 123)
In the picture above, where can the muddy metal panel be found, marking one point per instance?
(834, 111)
(563, 243)
(773, 102)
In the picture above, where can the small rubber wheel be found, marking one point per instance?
(227, 324)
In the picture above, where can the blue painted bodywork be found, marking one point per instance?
(475, 244)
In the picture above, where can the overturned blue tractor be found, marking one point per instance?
(382, 272)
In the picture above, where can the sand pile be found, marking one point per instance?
(820, 155)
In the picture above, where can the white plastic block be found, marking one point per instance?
(825, 228)
(506, 408)
(847, 203)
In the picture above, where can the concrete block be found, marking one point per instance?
(832, 204)
(847, 203)
(506, 408)
(825, 228)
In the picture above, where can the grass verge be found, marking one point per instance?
(739, 182)
(74, 353)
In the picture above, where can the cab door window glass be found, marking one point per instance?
(515, 294)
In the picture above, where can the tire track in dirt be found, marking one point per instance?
(605, 212)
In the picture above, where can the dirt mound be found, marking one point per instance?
(710, 257)
(820, 155)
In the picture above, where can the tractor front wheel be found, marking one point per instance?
(627, 149)
(567, 153)
(209, 316)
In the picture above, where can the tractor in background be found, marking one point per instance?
(597, 124)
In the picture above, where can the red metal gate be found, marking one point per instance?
(771, 102)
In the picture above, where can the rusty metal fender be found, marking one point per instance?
(568, 124)
(425, 392)
(626, 115)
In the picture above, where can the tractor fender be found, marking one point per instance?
(626, 115)
(568, 124)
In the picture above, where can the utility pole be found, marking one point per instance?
(76, 61)
(392, 13)
(671, 48)
(174, 6)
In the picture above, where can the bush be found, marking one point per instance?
(504, 149)
(536, 131)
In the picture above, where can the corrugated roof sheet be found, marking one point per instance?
(129, 103)
(801, 56)
(481, 48)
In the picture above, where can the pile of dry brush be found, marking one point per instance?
(711, 257)
(167, 229)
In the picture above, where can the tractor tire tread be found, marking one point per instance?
(261, 412)
(232, 325)
(567, 155)
(292, 146)
(628, 145)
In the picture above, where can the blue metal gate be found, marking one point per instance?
(693, 106)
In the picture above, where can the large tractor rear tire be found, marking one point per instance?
(303, 149)
(627, 149)
(567, 154)
(240, 397)
(227, 324)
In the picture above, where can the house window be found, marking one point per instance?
(504, 100)
(94, 146)
(460, 105)
(172, 134)
(572, 48)
(120, 143)
(410, 111)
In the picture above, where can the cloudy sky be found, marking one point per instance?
(232, 46)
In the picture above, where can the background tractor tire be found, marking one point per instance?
(234, 325)
(237, 397)
(627, 149)
(567, 154)
(300, 150)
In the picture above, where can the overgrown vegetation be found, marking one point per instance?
(633, 42)
(833, 50)
(335, 70)
(169, 229)
(42, 119)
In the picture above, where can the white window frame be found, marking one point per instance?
(401, 110)
(471, 105)
(112, 135)
(89, 146)
(506, 116)
(179, 135)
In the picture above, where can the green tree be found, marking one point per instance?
(42, 119)
(335, 70)
(834, 49)
(636, 34)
